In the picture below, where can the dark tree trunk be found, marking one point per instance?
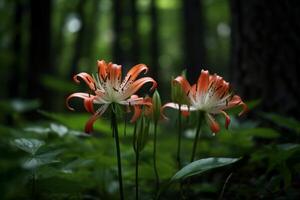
(15, 75)
(265, 53)
(154, 47)
(193, 38)
(85, 39)
(135, 43)
(39, 48)
(59, 41)
(118, 29)
(91, 32)
(79, 45)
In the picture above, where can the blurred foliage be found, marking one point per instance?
(44, 154)
(55, 157)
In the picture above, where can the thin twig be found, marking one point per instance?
(223, 189)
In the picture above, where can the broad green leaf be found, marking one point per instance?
(77, 121)
(37, 129)
(29, 145)
(60, 130)
(35, 162)
(286, 122)
(69, 168)
(18, 105)
(41, 159)
(262, 133)
(201, 166)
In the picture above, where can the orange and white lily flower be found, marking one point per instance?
(211, 94)
(108, 88)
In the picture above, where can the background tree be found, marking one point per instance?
(265, 53)
(194, 57)
(39, 62)
(154, 45)
(15, 75)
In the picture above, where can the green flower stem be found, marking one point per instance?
(198, 132)
(137, 173)
(136, 151)
(116, 136)
(33, 189)
(154, 157)
(179, 138)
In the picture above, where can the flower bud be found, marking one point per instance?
(156, 103)
(177, 94)
(141, 134)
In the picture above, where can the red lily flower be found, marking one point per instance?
(108, 88)
(211, 94)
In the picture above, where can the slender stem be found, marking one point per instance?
(116, 135)
(154, 157)
(33, 189)
(137, 174)
(224, 186)
(179, 138)
(197, 136)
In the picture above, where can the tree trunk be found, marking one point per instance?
(79, 45)
(135, 43)
(193, 38)
(39, 48)
(154, 46)
(265, 53)
(117, 27)
(15, 75)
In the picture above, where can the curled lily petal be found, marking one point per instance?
(136, 85)
(185, 109)
(88, 104)
(88, 100)
(102, 69)
(237, 101)
(245, 108)
(135, 71)
(87, 79)
(214, 126)
(202, 84)
(227, 119)
(176, 106)
(115, 74)
(90, 122)
(136, 114)
(183, 83)
(137, 102)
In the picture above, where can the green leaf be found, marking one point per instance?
(37, 129)
(41, 159)
(76, 121)
(33, 163)
(60, 130)
(28, 145)
(261, 133)
(201, 166)
(75, 164)
(282, 121)
(18, 105)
